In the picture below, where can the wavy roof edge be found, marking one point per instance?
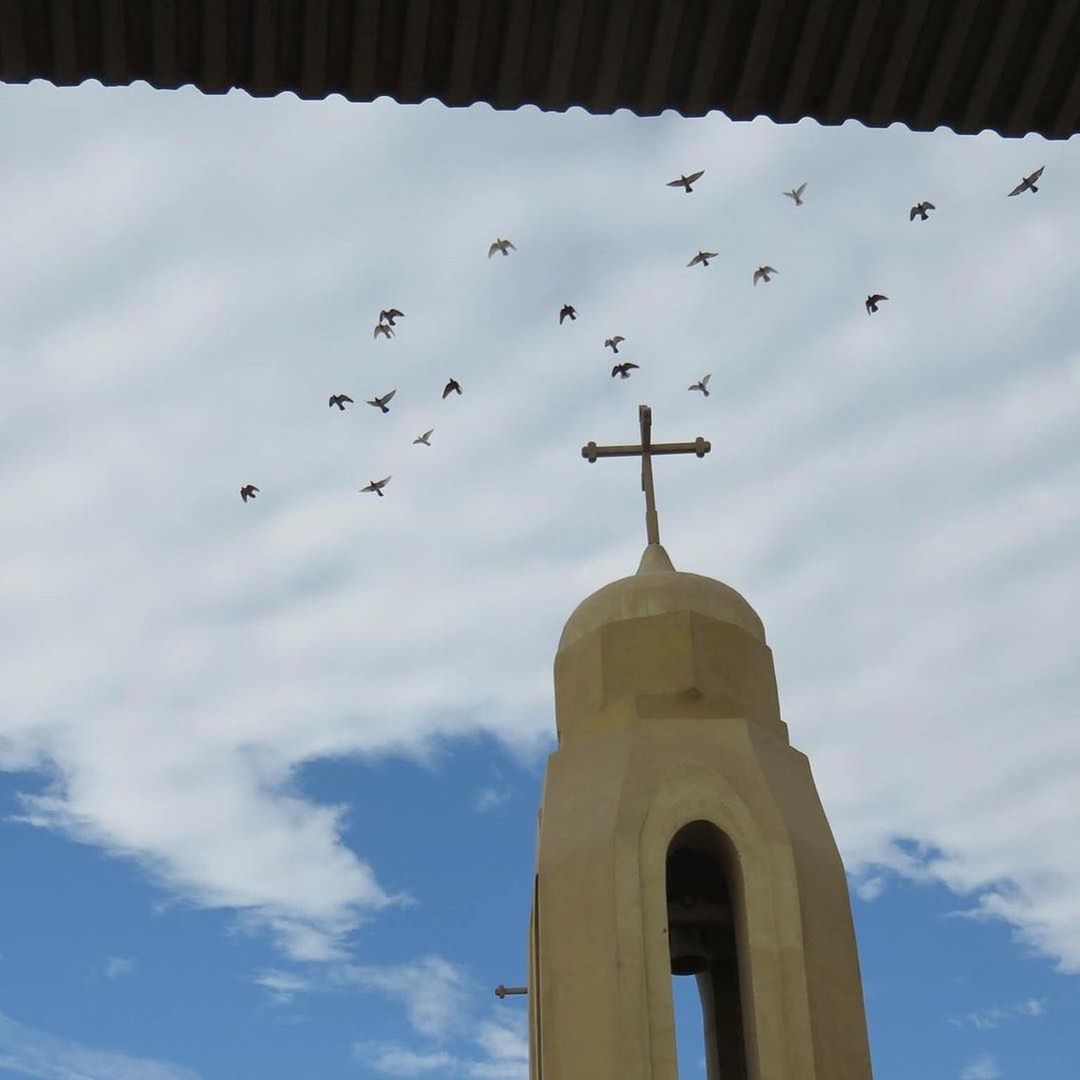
(1010, 66)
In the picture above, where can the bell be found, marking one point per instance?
(688, 956)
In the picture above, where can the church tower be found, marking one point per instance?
(681, 834)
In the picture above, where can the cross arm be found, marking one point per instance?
(590, 451)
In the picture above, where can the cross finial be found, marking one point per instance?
(699, 446)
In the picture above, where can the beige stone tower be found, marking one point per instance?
(680, 832)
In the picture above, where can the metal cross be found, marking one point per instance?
(501, 991)
(590, 452)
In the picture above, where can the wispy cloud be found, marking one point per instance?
(117, 967)
(282, 986)
(488, 799)
(29, 1052)
(984, 1067)
(987, 1019)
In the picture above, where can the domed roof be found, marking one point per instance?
(659, 589)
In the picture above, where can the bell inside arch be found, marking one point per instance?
(689, 955)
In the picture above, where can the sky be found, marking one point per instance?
(269, 771)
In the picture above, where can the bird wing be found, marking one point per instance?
(618, 338)
(696, 259)
(562, 316)
(1035, 175)
(615, 370)
(494, 247)
(368, 487)
(929, 206)
(383, 482)
(1019, 187)
(387, 398)
(914, 211)
(694, 386)
(710, 254)
(694, 177)
(510, 246)
(427, 434)
(759, 273)
(674, 183)
(447, 389)
(345, 397)
(770, 270)
(629, 365)
(395, 314)
(333, 400)
(800, 189)
(705, 380)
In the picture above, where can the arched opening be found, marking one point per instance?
(703, 909)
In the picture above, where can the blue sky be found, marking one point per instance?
(269, 772)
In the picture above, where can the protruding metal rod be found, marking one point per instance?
(501, 991)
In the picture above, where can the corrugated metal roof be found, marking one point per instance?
(1009, 65)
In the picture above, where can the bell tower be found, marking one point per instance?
(681, 834)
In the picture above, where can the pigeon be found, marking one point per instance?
(383, 329)
(567, 311)
(872, 302)
(425, 439)
(920, 209)
(501, 245)
(388, 317)
(1028, 183)
(339, 399)
(381, 402)
(703, 386)
(377, 486)
(452, 386)
(248, 492)
(796, 194)
(763, 272)
(686, 181)
(614, 342)
(622, 370)
(702, 257)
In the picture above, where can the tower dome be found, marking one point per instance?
(659, 589)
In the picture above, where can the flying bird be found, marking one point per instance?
(501, 245)
(389, 316)
(425, 439)
(339, 399)
(381, 402)
(872, 302)
(920, 209)
(622, 370)
(567, 311)
(763, 272)
(703, 386)
(796, 193)
(702, 257)
(377, 486)
(686, 181)
(451, 387)
(248, 492)
(613, 342)
(1028, 183)
(385, 330)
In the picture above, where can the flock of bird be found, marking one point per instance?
(385, 327)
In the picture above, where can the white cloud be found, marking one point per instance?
(488, 799)
(897, 495)
(400, 1061)
(29, 1052)
(118, 966)
(984, 1067)
(282, 986)
(988, 1019)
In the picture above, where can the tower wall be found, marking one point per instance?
(665, 720)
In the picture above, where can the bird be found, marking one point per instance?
(501, 245)
(614, 342)
(622, 370)
(796, 193)
(703, 385)
(452, 386)
(377, 486)
(338, 399)
(425, 439)
(1028, 183)
(248, 492)
(388, 317)
(872, 302)
(686, 181)
(763, 272)
(702, 257)
(920, 209)
(567, 311)
(381, 402)
(385, 330)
